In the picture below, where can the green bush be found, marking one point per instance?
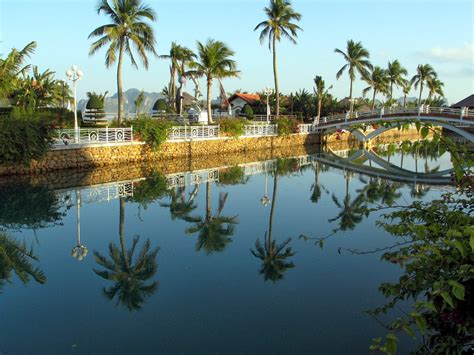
(233, 127)
(161, 106)
(287, 126)
(53, 116)
(247, 111)
(153, 132)
(22, 140)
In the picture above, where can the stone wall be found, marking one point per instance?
(93, 157)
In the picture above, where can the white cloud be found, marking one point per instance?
(463, 54)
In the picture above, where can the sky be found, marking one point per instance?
(437, 32)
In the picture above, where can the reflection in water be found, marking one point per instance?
(129, 274)
(214, 230)
(79, 251)
(273, 255)
(15, 257)
(180, 206)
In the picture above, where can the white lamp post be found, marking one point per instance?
(268, 91)
(74, 75)
(80, 251)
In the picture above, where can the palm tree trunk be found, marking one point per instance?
(121, 230)
(405, 101)
(320, 101)
(208, 201)
(391, 90)
(119, 84)
(209, 107)
(272, 211)
(351, 103)
(173, 85)
(421, 90)
(373, 100)
(275, 76)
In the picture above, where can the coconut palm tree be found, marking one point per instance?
(406, 87)
(351, 212)
(12, 67)
(435, 87)
(395, 74)
(279, 23)
(424, 73)
(214, 230)
(357, 58)
(378, 81)
(214, 63)
(139, 102)
(129, 274)
(274, 256)
(180, 207)
(321, 92)
(128, 27)
(186, 56)
(173, 57)
(17, 257)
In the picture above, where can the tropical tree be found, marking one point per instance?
(16, 257)
(180, 207)
(435, 87)
(214, 230)
(279, 23)
(139, 102)
(395, 73)
(129, 274)
(424, 74)
(273, 256)
(128, 27)
(357, 58)
(406, 87)
(321, 92)
(173, 57)
(12, 67)
(214, 63)
(378, 81)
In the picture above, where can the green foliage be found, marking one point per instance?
(52, 116)
(247, 111)
(232, 176)
(23, 140)
(287, 126)
(161, 106)
(96, 101)
(153, 132)
(149, 190)
(233, 127)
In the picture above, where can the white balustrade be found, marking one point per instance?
(193, 132)
(258, 130)
(106, 135)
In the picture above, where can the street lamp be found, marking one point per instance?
(74, 75)
(268, 91)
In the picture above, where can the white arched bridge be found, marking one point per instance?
(456, 120)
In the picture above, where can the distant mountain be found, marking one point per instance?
(129, 97)
(409, 100)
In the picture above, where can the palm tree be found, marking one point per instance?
(173, 57)
(351, 212)
(214, 230)
(16, 257)
(12, 66)
(436, 88)
(273, 255)
(395, 74)
(214, 63)
(186, 56)
(180, 207)
(378, 81)
(128, 27)
(406, 85)
(321, 92)
(357, 58)
(424, 73)
(139, 102)
(279, 23)
(129, 274)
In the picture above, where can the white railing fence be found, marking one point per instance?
(256, 130)
(193, 132)
(106, 135)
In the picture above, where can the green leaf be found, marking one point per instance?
(391, 344)
(424, 132)
(447, 298)
(457, 289)
(471, 243)
(459, 247)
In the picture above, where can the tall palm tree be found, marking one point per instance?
(173, 57)
(214, 230)
(180, 207)
(357, 58)
(424, 73)
(17, 257)
(395, 74)
(321, 92)
(186, 56)
(139, 102)
(435, 87)
(214, 63)
(128, 27)
(378, 81)
(273, 255)
(279, 23)
(129, 274)
(406, 87)
(12, 66)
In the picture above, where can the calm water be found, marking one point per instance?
(211, 290)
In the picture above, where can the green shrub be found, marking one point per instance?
(53, 116)
(233, 127)
(22, 140)
(232, 176)
(161, 106)
(287, 126)
(247, 111)
(153, 132)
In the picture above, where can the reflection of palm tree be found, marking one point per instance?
(316, 187)
(273, 255)
(16, 257)
(352, 212)
(128, 274)
(214, 231)
(180, 207)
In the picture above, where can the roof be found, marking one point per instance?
(467, 102)
(249, 98)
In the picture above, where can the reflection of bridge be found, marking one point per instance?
(452, 119)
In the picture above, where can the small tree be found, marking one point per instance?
(247, 111)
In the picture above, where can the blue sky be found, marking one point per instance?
(437, 32)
